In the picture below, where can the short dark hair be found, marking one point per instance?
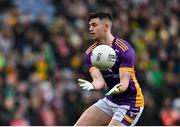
(100, 15)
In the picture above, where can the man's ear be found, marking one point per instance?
(106, 26)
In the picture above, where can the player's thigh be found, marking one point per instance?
(114, 122)
(126, 115)
(93, 116)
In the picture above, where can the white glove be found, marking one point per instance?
(114, 90)
(86, 85)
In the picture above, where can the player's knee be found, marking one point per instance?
(85, 118)
(88, 114)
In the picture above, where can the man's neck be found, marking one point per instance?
(107, 40)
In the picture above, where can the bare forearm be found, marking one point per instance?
(98, 80)
(119, 88)
(98, 85)
(124, 80)
(123, 87)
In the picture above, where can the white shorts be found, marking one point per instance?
(125, 114)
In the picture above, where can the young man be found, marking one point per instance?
(124, 102)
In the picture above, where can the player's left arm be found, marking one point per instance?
(124, 80)
(125, 70)
(123, 85)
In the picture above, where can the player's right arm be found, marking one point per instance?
(97, 78)
(98, 81)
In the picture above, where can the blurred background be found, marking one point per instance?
(42, 44)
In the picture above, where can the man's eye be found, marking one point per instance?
(94, 25)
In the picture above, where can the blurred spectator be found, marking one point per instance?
(168, 115)
(19, 118)
(6, 110)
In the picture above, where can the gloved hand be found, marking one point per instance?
(114, 90)
(86, 85)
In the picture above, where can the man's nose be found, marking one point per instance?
(90, 29)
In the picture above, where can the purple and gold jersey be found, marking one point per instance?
(125, 61)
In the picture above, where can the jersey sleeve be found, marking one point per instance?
(87, 58)
(88, 62)
(127, 60)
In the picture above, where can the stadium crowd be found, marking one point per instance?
(42, 44)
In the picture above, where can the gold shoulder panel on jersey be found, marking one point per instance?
(91, 47)
(121, 45)
(92, 68)
(139, 96)
(127, 69)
